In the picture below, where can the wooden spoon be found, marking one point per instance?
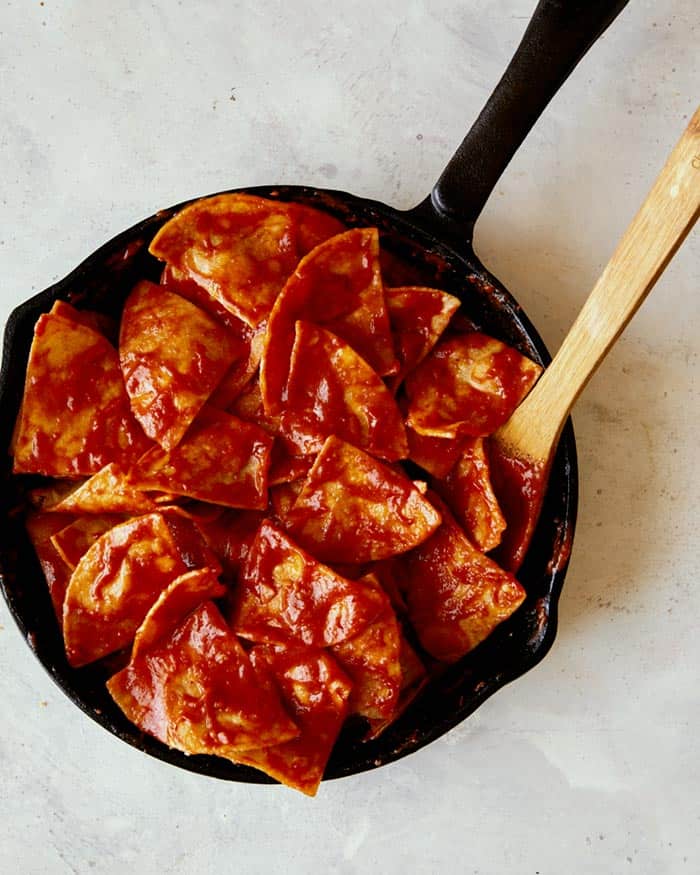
(523, 448)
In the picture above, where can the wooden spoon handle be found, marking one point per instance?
(666, 216)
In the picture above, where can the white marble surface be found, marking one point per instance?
(591, 763)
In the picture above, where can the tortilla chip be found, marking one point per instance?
(332, 390)
(355, 509)
(315, 692)
(114, 585)
(197, 691)
(91, 319)
(285, 468)
(338, 285)
(413, 679)
(179, 282)
(469, 385)
(172, 355)
(282, 498)
(468, 493)
(221, 460)
(176, 601)
(313, 227)
(40, 528)
(371, 660)
(75, 415)
(285, 594)
(74, 540)
(241, 372)
(189, 541)
(108, 491)
(437, 455)
(230, 537)
(240, 248)
(456, 596)
(418, 316)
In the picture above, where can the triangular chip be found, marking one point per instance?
(178, 281)
(468, 385)
(240, 248)
(337, 285)
(114, 585)
(456, 596)
(73, 541)
(418, 316)
(315, 692)
(241, 371)
(371, 659)
(230, 536)
(468, 493)
(108, 491)
(176, 601)
(221, 460)
(75, 415)
(355, 509)
(332, 390)
(437, 455)
(413, 679)
(197, 691)
(284, 594)
(40, 528)
(313, 227)
(172, 355)
(91, 319)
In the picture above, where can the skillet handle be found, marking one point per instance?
(559, 34)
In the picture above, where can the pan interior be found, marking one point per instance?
(417, 256)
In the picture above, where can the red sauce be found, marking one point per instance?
(519, 486)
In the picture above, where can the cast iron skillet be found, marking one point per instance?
(436, 239)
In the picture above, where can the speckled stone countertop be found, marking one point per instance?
(591, 762)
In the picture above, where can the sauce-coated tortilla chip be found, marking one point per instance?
(413, 679)
(74, 540)
(355, 509)
(285, 594)
(437, 455)
(230, 536)
(468, 493)
(241, 372)
(315, 692)
(469, 385)
(176, 601)
(338, 285)
(108, 491)
(172, 355)
(240, 248)
(332, 390)
(97, 321)
(456, 596)
(221, 460)
(114, 585)
(75, 415)
(282, 499)
(40, 528)
(197, 691)
(371, 659)
(418, 316)
(313, 227)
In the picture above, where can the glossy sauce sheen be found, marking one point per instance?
(355, 509)
(172, 356)
(315, 692)
(333, 391)
(284, 593)
(469, 385)
(339, 287)
(197, 691)
(75, 416)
